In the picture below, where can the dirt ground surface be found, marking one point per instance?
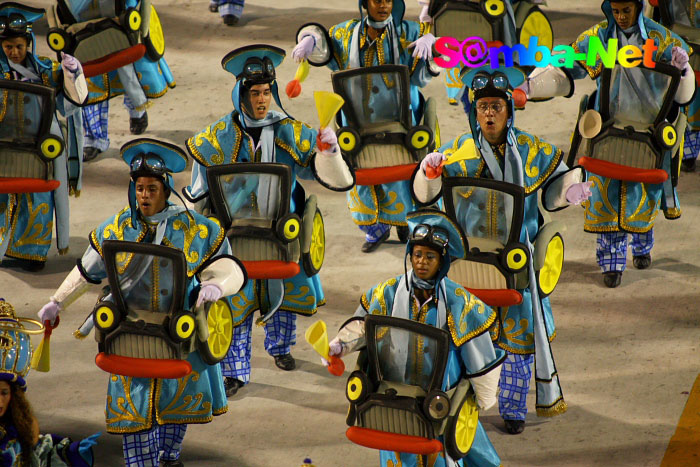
(627, 357)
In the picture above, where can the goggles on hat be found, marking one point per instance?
(14, 24)
(432, 234)
(497, 80)
(258, 70)
(148, 163)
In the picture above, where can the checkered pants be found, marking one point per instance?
(691, 146)
(280, 336)
(611, 249)
(514, 386)
(96, 119)
(163, 442)
(374, 232)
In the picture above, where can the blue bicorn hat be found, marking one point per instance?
(15, 345)
(515, 75)
(148, 157)
(18, 21)
(456, 242)
(251, 65)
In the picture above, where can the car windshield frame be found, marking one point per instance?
(110, 248)
(516, 192)
(338, 78)
(48, 95)
(661, 68)
(216, 191)
(440, 336)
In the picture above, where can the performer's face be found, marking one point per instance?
(150, 194)
(379, 10)
(425, 262)
(15, 49)
(492, 115)
(625, 13)
(5, 396)
(259, 99)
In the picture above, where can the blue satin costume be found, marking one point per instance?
(471, 353)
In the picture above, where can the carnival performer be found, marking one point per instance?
(425, 294)
(20, 440)
(381, 36)
(254, 133)
(139, 82)
(152, 431)
(229, 10)
(619, 208)
(27, 219)
(503, 152)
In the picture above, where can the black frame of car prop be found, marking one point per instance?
(363, 383)
(437, 8)
(352, 131)
(110, 321)
(495, 297)
(662, 138)
(45, 149)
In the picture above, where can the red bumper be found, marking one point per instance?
(622, 172)
(143, 367)
(379, 176)
(375, 439)
(113, 61)
(271, 269)
(498, 297)
(27, 185)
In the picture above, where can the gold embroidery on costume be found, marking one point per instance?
(600, 212)
(513, 335)
(209, 134)
(378, 295)
(388, 200)
(191, 231)
(190, 404)
(297, 297)
(664, 42)
(304, 145)
(648, 216)
(127, 408)
(469, 304)
(592, 72)
(355, 204)
(32, 234)
(535, 146)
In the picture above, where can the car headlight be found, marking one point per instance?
(51, 147)
(357, 387)
(105, 317)
(288, 228)
(182, 326)
(133, 19)
(666, 135)
(494, 8)
(419, 137)
(348, 139)
(57, 40)
(515, 257)
(436, 405)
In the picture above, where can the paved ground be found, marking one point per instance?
(627, 357)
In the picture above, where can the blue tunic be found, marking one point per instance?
(470, 353)
(139, 404)
(225, 142)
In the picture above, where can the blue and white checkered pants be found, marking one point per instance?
(280, 336)
(163, 442)
(374, 232)
(691, 146)
(96, 119)
(514, 386)
(229, 7)
(611, 248)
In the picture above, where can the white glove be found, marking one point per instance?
(424, 17)
(423, 46)
(679, 57)
(434, 159)
(336, 349)
(328, 136)
(70, 64)
(209, 293)
(304, 48)
(579, 192)
(49, 312)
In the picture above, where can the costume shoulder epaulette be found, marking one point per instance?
(297, 139)
(580, 45)
(376, 302)
(217, 144)
(467, 316)
(198, 237)
(540, 162)
(118, 227)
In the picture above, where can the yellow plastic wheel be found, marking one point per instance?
(56, 41)
(313, 261)
(51, 147)
(155, 40)
(548, 276)
(537, 24)
(462, 429)
(220, 324)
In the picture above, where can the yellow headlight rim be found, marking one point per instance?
(669, 136)
(420, 139)
(494, 7)
(134, 20)
(291, 229)
(347, 141)
(184, 326)
(56, 41)
(516, 259)
(354, 388)
(104, 318)
(51, 147)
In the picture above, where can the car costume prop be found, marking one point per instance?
(245, 172)
(159, 267)
(15, 358)
(376, 96)
(508, 246)
(122, 45)
(498, 22)
(683, 18)
(38, 167)
(425, 370)
(634, 127)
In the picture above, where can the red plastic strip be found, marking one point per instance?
(143, 367)
(498, 297)
(622, 172)
(113, 61)
(271, 269)
(378, 176)
(376, 439)
(27, 185)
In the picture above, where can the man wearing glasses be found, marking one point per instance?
(152, 433)
(500, 151)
